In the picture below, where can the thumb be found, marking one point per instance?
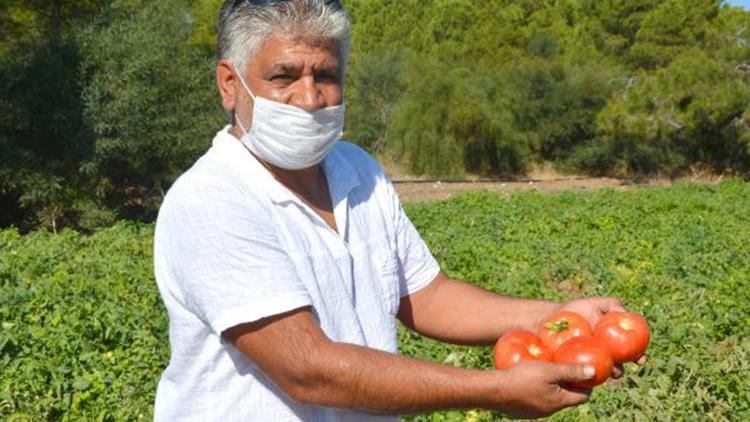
(573, 372)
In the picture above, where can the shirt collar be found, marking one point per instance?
(341, 175)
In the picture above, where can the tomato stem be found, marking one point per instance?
(557, 326)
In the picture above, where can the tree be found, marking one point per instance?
(151, 103)
(373, 88)
(43, 137)
(670, 29)
(692, 112)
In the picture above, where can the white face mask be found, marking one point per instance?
(289, 137)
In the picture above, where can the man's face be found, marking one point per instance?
(293, 71)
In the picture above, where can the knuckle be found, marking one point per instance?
(573, 371)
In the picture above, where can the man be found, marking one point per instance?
(284, 257)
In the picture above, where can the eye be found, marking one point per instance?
(282, 78)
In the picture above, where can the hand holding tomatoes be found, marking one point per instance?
(566, 337)
(535, 389)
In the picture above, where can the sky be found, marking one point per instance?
(743, 3)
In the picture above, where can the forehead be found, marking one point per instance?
(285, 48)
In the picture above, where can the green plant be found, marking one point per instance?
(83, 332)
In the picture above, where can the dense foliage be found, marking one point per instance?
(84, 334)
(607, 87)
(104, 103)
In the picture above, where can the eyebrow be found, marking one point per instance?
(285, 68)
(291, 68)
(328, 68)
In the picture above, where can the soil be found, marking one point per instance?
(411, 191)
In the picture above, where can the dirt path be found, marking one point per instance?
(413, 191)
(542, 178)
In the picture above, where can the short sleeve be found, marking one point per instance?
(225, 258)
(418, 267)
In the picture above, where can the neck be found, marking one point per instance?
(305, 182)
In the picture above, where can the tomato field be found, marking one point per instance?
(84, 334)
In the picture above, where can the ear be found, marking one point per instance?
(226, 81)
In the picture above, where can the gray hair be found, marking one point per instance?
(244, 28)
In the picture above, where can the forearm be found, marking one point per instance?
(350, 376)
(295, 353)
(458, 312)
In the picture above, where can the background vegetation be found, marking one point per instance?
(84, 333)
(104, 103)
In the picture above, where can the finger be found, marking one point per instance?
(567, 373)
(572, 373)
(610, 304)
(574, 396)
(586, 391)
(617, 371)
(641, 360)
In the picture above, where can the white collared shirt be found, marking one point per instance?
(233, 245)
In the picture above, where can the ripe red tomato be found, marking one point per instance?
(587, 350)
(561, 326)
(519, 345)
(625, 333)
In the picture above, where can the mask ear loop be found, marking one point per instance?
(242, 80)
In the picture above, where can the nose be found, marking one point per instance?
(308, 97)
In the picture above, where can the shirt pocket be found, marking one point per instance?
(387, 272)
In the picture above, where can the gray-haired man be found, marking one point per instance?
(284, 257)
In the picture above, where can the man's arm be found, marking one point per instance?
(296, 354)
(461, 313)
